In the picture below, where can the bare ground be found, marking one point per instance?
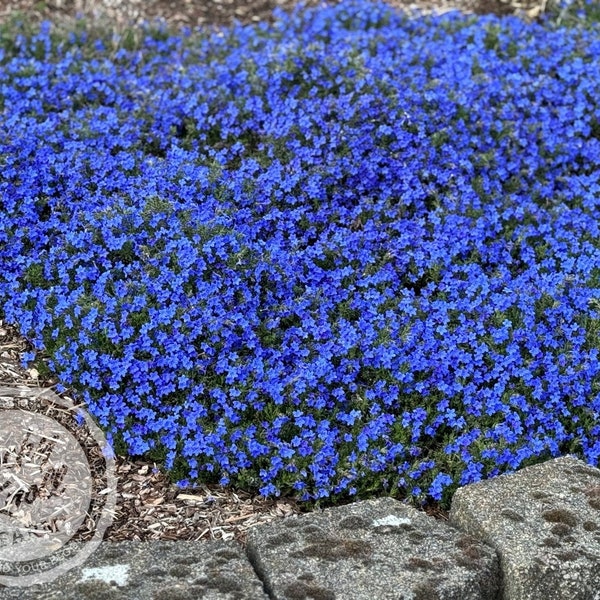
(222, 12)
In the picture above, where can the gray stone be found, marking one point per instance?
(544, 521)
(530, 535)
(377, 549)
(182, 570)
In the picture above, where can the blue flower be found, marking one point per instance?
(320, 255)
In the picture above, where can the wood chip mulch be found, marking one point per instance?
(192, 13)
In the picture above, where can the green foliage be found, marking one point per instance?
(573, 13)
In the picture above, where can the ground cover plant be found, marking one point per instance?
(348, 253)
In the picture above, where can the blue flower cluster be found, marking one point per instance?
(346, 253)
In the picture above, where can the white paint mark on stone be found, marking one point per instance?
(391, 521)
(117, 573)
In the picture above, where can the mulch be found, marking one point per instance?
(192, 13)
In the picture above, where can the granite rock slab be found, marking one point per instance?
(544, 521)
(377, 549)
(184, 570)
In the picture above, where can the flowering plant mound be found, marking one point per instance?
(350, 252)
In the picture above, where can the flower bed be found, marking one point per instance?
(344, 254)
